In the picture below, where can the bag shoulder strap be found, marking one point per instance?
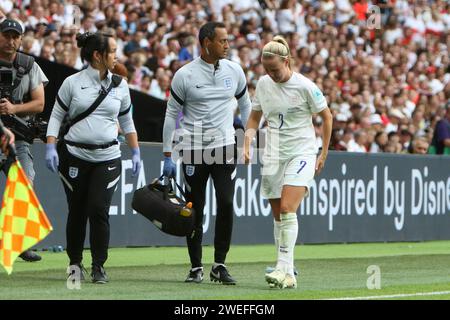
(23, 64)
(115, 82)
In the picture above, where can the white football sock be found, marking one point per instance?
(276, 235)
(288, 238)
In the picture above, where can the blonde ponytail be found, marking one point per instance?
(277, 47)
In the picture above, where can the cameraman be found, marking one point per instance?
(27, 98)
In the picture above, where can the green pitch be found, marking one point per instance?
(407, 270)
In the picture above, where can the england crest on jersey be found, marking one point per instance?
(113, 92)
(228, 83)
(73, 172)
(190, 170)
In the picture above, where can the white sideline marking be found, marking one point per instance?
(435, 293)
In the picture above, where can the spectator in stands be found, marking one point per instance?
(6, 6)
(405, 138)
(395, 119)
(336, 138)
(402, 66)
(146, 84)
(58, 50)
(58, 16)
(394, 145)
(47, 53)
(88, 24)
(441, 138)
(243, 57)
(287, 16)
(37, 16)
(393, 31)
(161, 87)
(376, 122)
(344, 11)
(419, 146)
(174, 48)
(380, 142)
(131, 22)
(174, 66)
(391, 147)
(27, 44)
(140, 70)
(189, 49)
(160, 59)
(359, 142)
(360, 8)
(134, 44)
(66, 58)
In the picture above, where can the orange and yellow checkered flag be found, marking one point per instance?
(23, 222)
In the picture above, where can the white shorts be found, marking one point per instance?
(298, 171)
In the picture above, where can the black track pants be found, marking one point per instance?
(223, 174)
(89, 189)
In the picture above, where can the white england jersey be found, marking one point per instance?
(288, 108)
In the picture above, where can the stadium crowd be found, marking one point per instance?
(383, 65)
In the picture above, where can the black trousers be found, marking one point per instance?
(198, 166)
(89, 189)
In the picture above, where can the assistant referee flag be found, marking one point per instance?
(23, 222)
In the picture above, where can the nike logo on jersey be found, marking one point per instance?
(111, 168)
(82, 88)
(198, 86)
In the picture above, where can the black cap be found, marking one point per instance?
(11, 25)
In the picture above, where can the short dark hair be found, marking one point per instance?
(378, 134)
(208, 30)
(392, 133)
(90, 42)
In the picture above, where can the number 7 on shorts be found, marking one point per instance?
(302, 165)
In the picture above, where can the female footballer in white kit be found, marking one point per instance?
(287, 100)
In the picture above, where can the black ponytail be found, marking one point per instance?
(90, 42)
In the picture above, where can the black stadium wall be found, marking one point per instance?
(357, 198)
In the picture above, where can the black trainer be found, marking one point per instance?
(195, 275)
(220, 273)
(98, 275)
(30, 256)
(77, 270)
